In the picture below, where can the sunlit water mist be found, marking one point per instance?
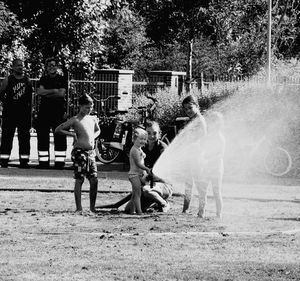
(255, 111)
(182, 157)
(258, 111)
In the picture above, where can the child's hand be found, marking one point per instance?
(156, 178)
(144, 179)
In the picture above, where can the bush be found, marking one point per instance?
(169, 102)
(168, 106)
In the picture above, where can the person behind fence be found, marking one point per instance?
(137, 169)
(192, 110)
(52, 91)
(86, 129)
(16, 96)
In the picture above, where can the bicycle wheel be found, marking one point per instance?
(105, 153)
(277, 161)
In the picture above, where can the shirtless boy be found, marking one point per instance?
(85, 130)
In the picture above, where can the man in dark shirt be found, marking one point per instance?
(16, 96)
(158, 192)
(153, 149)
(52, 90)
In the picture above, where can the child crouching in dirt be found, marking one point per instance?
(86, 129)
(158, 191)
(137, 169)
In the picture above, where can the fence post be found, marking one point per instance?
(201, 82)
(172, 79)
(116, 82)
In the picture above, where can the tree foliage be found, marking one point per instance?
(10, 38)
(213, 36)
(124, 41)
(70, 30)
(176, 20)
(240, 32)
(182, 20)
(286, 28)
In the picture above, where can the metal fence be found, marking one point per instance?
(140, 85)
(99, 90)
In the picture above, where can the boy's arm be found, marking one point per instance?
(136, 158)
(3, 88)
(65, 127)
(97, 127)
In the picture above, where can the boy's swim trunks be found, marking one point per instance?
(84, 163)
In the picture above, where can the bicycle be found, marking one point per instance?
(115, 133)
(295, 167)
(148, 113)
(270, 158)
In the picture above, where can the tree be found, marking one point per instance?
(179, 20)
(71, 30)
(187, 35)
(124, 40)
(10, 37)
(286, 28)
(239, 34)
(233, 30)
(240, 28)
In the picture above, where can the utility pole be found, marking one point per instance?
(189, 66)
(269, 48)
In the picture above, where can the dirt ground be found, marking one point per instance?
(41, 238)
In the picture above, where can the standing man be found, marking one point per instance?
(16, 96)
(52, 90)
